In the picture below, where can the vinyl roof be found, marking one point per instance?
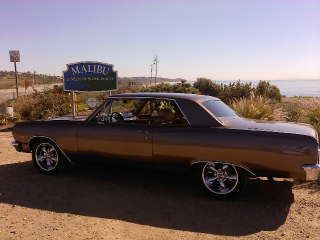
(189, 96)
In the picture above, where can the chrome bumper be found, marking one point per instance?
(16, 145)
(20, 147)
(312, 172)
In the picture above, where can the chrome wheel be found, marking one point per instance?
(220, 178)
(46, 157)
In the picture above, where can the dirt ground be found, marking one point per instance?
(118, 203)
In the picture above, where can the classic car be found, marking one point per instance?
(197, 131)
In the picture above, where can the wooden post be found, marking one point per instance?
(74, 102)
(16, 74)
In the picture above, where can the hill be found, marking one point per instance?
(7, 80)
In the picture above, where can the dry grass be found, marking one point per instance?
(254, 108)
(303, 109)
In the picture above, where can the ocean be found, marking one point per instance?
(291, 88)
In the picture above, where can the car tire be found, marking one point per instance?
(46, 157)
(221, 180)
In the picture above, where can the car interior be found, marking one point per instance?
(158, 112)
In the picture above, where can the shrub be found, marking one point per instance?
(237, 90)
(254, 107)
(5, 119)
(265, 89)
(208, 87)
(226, 92)
(293, 112)
(313, 118)
(47, 104)
(181, 87)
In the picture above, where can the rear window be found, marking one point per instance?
(219, 108)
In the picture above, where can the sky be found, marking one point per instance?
(221, 40)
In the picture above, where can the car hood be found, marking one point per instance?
(270, 126)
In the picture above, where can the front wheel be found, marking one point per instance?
(222, 180)
(46, 157)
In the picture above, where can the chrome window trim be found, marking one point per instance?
(158, 98)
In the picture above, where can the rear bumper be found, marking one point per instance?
(312, 172)
(20, 147)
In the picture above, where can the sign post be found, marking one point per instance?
(88, 76)
(15, 57)
(74, 101)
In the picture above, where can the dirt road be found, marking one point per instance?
(6, 94)
(132, 204)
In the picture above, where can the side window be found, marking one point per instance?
(121, 111)
(167, 113)
(102, 116)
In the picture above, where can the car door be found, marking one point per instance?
(115, 133)
(170, 130)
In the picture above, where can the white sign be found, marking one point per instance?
(92, 102)
(14, 55)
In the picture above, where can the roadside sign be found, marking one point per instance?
(92, 102)
(89, 76)
(14, 55)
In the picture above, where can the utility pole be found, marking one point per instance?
(151, 68)
(34, 78)
(156, 61)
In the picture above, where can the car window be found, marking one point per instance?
(121, 111)
(219, 108)
(167, 113)
(141, 111)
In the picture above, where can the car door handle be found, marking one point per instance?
(146, 134)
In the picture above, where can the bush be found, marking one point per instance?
(226, 92)
(293, 112)
(5, 119)
(237, 90)
(181, 87)
(207, 86)
(267, 90)
(313, 118)
(254, 107)
(47, 104)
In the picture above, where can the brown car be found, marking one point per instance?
(180, 129)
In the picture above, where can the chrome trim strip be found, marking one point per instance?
(234, 164)
(63, 153)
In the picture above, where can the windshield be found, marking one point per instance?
(219, 108)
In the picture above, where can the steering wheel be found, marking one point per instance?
(116, 116)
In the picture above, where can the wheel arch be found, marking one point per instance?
(36, 139)
(246, 169)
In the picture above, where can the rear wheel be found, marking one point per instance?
(47, 157)
(222, 180)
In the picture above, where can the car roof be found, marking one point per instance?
(189, 96)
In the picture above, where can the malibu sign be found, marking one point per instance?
(89, 76)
